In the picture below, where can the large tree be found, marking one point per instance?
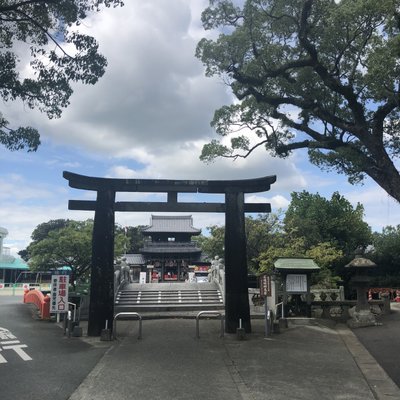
(325, 254)
(321, 75)
(47, 30)
(335, 220)
(42, 232)
(135, 238)
(68, 245)
(261, 232)
(386, 254)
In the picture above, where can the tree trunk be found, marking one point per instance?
(384, 173)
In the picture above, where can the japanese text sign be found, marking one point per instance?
(296, 283)
(265, 285)
(59, 293)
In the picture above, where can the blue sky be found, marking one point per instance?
(148, 117)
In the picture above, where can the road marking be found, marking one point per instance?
(10, 342)
(2, 359)
(18, 349)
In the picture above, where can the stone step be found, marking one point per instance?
(168, 307)
(124, 296)
(121, 298)
(168, 297)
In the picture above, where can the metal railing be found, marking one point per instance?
(209, 314)
(127, 314)
(283, 310)
(69, 319)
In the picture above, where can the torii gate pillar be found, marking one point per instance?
(236, 291)
(102, 271)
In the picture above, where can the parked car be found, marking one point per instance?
(201, 277)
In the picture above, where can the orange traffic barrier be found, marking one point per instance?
(41, 301)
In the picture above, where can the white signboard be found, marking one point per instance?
(59, 294)
(142, 278)
(2, 285)
(296, 283)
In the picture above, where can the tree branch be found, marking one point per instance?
(16, 6)
(45, 32)
(330, 81)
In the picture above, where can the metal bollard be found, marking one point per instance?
(127, 314)
(209, 314)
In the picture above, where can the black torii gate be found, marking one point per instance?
(102, 271)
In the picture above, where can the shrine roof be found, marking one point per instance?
(135, 259)
(292, 263)
(9, 262)
(360, 262)
(170, 250)
(172, 224)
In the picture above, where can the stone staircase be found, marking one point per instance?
(168, 297)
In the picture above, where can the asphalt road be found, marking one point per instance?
(36, 360)
(383, 342)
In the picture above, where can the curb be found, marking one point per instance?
(381, 385)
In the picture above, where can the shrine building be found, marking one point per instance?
(168, 253)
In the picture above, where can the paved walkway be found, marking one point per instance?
(311, 361)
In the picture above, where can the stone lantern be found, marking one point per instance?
(361, 315)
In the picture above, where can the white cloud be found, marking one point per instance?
(380, 209)
(148, 117)
(154, 94)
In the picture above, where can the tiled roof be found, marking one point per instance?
(171, 250)
(12, 263)
(173, 224)
(296, 263)
(134, 259)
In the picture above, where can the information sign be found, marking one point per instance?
(265, 285)
(142, 278)
(59, 293)
(296, 283)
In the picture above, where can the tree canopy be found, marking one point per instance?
(67, 243)
(321, 75)
(48, 30)
(318, 220)
(385, 252)
(325, 254)
(212, 245)
(41, 232)
(326, 230)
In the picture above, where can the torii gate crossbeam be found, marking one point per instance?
(102, 270)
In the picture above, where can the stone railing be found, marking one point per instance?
(217, 274)
(328, 294)
(340, 311)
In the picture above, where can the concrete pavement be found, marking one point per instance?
(309, 360)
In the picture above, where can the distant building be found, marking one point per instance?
(10, 266)
(168, 253)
